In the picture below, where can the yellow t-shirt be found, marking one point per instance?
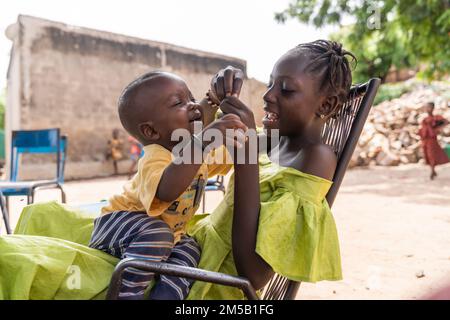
(139, 194)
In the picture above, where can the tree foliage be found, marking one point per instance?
(400, 33)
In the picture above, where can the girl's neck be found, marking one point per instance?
(295, 143)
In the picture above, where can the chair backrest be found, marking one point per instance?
(342, 133)
(47, 141)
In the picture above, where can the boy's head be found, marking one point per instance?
(154, 105)
(116, 133)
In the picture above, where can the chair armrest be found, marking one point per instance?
(43, 183)
(178, 271)
(26, 184)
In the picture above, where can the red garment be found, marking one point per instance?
(434, 154)
(135, 146)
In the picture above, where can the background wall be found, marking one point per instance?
(70, 77)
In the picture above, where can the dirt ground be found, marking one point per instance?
(393, 223)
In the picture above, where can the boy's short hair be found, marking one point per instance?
(129, 112)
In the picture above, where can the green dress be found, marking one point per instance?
(48, 257)
(296, 236)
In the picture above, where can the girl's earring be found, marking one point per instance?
(322, 116)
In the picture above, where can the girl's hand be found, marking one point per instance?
(224, 124)
(226, 83)
(233, 105)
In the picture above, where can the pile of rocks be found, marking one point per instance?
(390, 136)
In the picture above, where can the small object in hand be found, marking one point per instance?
(219, 114)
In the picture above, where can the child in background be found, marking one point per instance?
(136, 152)
(429, 129)
(148, 220)
(115, 146)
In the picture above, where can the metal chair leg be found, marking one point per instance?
(63, 194)
(204, 202)
(30, 196)
(5, 214)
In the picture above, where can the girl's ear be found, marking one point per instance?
(147, 130)
(328, 107)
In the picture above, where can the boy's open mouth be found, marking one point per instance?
(195, 121)
(197, 116)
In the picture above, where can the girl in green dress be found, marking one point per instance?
(274, 217)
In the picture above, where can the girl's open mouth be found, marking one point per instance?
(269, 117)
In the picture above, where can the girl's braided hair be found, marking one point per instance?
(330, 64)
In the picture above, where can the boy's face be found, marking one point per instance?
(167, 105)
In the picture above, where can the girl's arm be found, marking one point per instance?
(245, 226)
(226, 86)
(246, 203)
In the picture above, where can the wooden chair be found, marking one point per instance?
(340, 132)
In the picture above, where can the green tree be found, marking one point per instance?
(400, 33)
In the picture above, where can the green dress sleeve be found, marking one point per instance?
(297, 234)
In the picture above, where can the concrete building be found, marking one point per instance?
(70, 77)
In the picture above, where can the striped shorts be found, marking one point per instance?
(125, 234)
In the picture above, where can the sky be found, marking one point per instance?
(244, 29)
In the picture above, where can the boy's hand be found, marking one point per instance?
(224, 125)
(233, 105)
(208, 112)
(226, 83)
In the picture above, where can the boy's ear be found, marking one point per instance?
(328, 106)
(148, 131)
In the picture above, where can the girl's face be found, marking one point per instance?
(292, 98)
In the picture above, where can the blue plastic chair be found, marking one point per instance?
(214, 184)
(47, 141)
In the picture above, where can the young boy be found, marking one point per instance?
(147, 221)
(115, 150)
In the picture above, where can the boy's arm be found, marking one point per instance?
(177, 177)
(208, 112)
